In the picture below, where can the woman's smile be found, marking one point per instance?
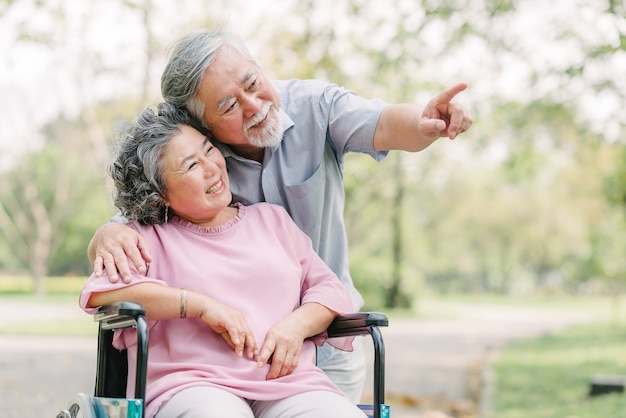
(217, 186)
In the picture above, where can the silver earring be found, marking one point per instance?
(167, 210)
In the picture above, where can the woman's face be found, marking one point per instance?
(196, 179)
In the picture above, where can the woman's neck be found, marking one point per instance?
(224, 216)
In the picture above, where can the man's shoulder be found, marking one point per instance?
(297, 89)
(297, 83)
(301, 100)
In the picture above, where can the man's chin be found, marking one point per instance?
(268, 138)
(265, 142)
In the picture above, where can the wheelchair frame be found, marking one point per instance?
(112, 364)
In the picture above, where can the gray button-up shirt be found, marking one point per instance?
(304, 173)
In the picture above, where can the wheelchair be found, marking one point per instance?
(109, 400)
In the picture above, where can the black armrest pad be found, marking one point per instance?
(119, 315)
(358, 323)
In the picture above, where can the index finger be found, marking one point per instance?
(120, 262)
(267, 349)
(251, 345)
(448, 94)
(236, 341)
(138, 254)
(135, 252)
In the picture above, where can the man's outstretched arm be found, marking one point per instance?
(406, 127)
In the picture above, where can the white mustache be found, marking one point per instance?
(259, 116)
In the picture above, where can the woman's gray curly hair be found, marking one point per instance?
(137, 170)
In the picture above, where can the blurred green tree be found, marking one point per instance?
(43, 196)
(493, 226)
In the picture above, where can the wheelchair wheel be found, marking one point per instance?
(81, 406)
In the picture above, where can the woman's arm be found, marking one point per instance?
(164, 303)
(283, 342)
(159, 301)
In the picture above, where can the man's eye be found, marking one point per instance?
(192, 165)
(231, 107)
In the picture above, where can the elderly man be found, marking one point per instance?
(284, 143)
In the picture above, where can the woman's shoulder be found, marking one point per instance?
(269, 214)
(267, 209)
(149, 232)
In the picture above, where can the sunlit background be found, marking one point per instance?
(529, 203)
(530, 198)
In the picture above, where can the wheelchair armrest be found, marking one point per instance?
(361, 323)
(357, 323)
(119, 315)
(112, 366)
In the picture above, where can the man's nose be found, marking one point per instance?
(251, 105)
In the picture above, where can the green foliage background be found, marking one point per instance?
(530, 200)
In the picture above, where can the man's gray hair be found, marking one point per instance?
(188, 60)
(138, 167)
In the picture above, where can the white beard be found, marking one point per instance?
(271, 135)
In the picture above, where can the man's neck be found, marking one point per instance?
(250, 152)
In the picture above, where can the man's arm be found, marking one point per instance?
(111, 247)
(405, 127)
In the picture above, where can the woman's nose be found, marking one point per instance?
(210, 166)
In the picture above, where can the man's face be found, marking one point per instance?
(240, 104)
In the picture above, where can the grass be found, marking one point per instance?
(61, 292)
(55, 286)
(601, 308)
(549, 377)
(56, 327)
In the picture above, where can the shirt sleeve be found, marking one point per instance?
(119, 218)
(333, 113)
(352, 120)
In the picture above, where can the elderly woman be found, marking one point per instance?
(236, 297)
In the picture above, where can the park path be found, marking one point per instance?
(435, 367)
(441, 364)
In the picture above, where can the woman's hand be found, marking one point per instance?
(231, 325)
(282, 347)
(283, 343)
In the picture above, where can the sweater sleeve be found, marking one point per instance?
(319, 284)
(122, 339)
(99, 284)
